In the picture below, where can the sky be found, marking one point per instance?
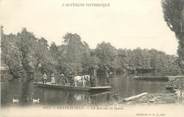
(125, 23)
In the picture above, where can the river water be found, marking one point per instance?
(123, 87)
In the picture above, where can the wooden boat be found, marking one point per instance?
(67, 87)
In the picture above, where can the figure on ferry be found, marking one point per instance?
(44, 78)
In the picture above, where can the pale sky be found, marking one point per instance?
(125, 24)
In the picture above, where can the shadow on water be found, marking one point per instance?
(122, 87)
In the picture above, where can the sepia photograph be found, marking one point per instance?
(69, 58)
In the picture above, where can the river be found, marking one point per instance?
(123, 87)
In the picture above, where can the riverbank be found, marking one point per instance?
(154, 98)
(160, 78)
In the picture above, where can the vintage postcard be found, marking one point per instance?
(73, 58)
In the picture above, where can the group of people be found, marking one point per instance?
(62, 79)
(70, 80)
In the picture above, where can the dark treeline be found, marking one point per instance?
(28, 57)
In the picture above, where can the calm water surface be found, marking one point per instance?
(122, 87)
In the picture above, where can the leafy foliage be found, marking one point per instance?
(174, 17)
(28, 57)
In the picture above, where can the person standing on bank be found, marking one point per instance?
(53, 81)
(71, 79)
(44, 78)
(62, 79)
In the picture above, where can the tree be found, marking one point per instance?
(106, 53)
(174, 17)
(75, 51)
(25, 43)
(11, 56)
(44, 59)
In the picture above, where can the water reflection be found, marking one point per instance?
(59, 97)
(122, 87)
